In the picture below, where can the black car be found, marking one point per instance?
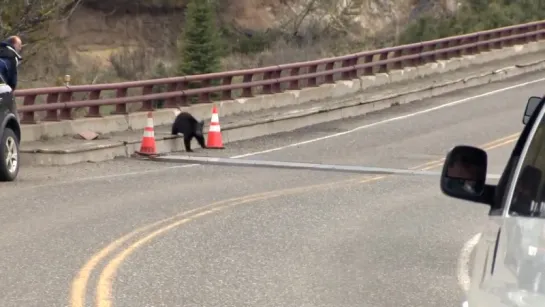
(10, 135)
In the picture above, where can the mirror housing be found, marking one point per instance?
(464, 175)
(531, 105)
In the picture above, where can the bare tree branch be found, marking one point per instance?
(26, 17)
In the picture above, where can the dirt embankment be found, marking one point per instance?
(96, 29)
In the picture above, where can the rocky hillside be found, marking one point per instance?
(141, 32)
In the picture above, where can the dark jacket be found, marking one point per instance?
(9, 60)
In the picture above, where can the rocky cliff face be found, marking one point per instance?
(102, 26)
(97, 28)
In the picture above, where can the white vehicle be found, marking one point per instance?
(508, 264)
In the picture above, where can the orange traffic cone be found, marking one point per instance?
(148, 146)
(214, 133)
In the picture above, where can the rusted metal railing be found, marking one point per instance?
(60, 103)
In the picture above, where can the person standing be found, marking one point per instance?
(10, 59)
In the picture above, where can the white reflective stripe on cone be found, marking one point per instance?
(214, 128)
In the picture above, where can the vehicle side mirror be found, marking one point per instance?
(531, 106)
(464, 174)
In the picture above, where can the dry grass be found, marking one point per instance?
(103, 47)
(86, 40)
(135, 5)
(130, 63)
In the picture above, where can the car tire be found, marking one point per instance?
(9, 156)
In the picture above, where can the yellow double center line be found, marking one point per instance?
(488, 146)
(104, 284)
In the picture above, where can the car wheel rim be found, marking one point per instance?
(11, 154)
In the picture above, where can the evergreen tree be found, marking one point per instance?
(473, 16)
(199, 44)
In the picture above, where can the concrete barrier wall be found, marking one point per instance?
(341, 93)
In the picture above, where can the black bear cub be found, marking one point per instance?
(190, 127)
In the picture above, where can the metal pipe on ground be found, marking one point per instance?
(367, 170)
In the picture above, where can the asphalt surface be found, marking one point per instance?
(346, 241)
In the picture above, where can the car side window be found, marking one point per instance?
(529, 192)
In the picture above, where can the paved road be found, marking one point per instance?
(318, 239)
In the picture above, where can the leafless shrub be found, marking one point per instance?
(132, 64)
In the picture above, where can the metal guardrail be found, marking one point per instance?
(60, 100)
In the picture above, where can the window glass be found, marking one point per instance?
(529, 195)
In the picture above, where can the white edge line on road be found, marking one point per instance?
(385, 121)
(464, 277)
